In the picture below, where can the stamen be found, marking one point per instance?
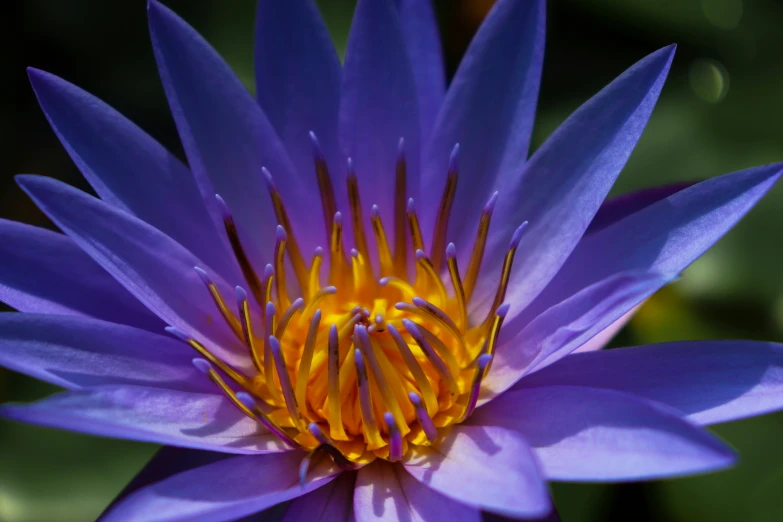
(384, 254)
(444, 211)
(395, 437)
(505, 273)
(228, 316)
(334, 407)
(269, 372)
(401, 285)
(328, 202)
(475, 387)
(300, 270)
(307, 359)
(287, 315)
(282, 290)
(317, 298)
(415, 228)
(432, 356)
(232, 374)
(425, 421)
(441, 349)
(326, 445)
(371, 433)
(357, 270)
(285, 384)
(494, 331)
(434, 279)
(400, 201)
(247, 327)
(441, 318)
(362, 340)
(456, 283)
(478, 248)
(269, 279)
(355, 204)
(239, 251)
(250, 403)
(314, 279)
(421, 379)
(336, 255)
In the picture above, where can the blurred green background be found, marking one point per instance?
(720, 111)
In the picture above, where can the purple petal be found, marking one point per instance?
(666, 236)
(606, 335)
(486, 467)
(386, 492)
(45, 272)
(489, 110)
(152, 266)
(177, 418)
(420, 29)
(332, 502)
(568, 177)
(224, 490)
(711, 381)
(566, 326)
(130, 170)
(619, 207)
(226, 136)
(298, 77)
(379, 104)
(78, 352)
(587, 434)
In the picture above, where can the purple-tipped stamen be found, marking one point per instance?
(482, 362)
(423, 417)
(395, 437)
(202, 365)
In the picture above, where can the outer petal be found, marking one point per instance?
(226, 135)
(223, 491)
(386, 492)
(566, 180)
(489, 110)
(379, 104)
(567, 326)
(422, 39)
(711, 381)
(152, 266)
(177, 418)
(298, 77)
(45, 272)
(486, 467)
(587, 434)
(666, 236)
(77, 352)
(130, 170)
(332, 502)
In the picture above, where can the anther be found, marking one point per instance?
(419, 376)
(334, 407)
(336, 250)
(425, 421)
(269, 362)
(400, 284)
(444, 211)
(328, 202)
(371, 433)
(475, 387)
(415, 228)
(285, 384)
(247, 327)
(239, 252)
(395, 437)
(281, 241)
(317, 298)
(282, 217)
(355, 204)
(441, 317)
(314, 278)
(266, 285)
(400, 217)
(456, 283)
(432, 356)
(228, 316)
(477, 255)
(232, 374)
(250, 403)
(433, 278)
(494, 331)
(505, 272)
(384, 254)
(287, 315)
(307, 359)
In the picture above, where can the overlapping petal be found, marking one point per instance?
(227, 137)
(45, 272)
(78, 352)
(152, 266)
(558, 192)
(177, 418)
(386, 492)
(487, 467)
(489, 110)
(130, 170)
(223, 491)
(334, 501)
(589, 434)
(298, 76)
(711, 381)
(379, 105)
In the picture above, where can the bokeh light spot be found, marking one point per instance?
(709, 79)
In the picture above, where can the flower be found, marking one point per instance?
(427, 372)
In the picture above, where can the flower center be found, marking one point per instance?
(384, 357)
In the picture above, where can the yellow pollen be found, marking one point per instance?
(381, 358)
